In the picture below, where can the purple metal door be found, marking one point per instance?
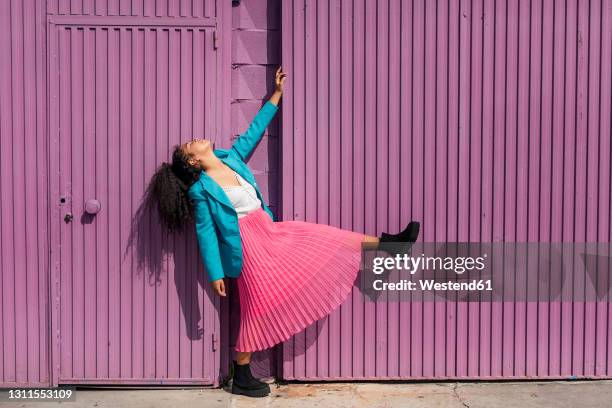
(486, 120)
(128, 303)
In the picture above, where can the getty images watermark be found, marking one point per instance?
(481, 272)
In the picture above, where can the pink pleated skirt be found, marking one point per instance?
(293, 274)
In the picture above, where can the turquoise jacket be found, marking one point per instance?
(216, 220)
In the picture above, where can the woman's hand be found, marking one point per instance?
(280, 79)
(279, 83)
(219, 287)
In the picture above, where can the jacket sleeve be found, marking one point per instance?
(207, 240)
(246, 142)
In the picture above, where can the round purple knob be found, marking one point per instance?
(92, 206)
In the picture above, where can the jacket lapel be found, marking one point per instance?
(214, 189)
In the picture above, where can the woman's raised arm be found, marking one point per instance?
(246, 142)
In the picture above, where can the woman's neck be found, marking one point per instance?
(211, 163)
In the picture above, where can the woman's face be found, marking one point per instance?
(197, 149)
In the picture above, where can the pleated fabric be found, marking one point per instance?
(293, 274)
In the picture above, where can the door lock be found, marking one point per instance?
(68, 218)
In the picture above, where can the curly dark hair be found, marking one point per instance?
(168, 190)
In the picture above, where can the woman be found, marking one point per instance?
(289, 274)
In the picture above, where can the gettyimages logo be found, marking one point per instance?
(476, 271)
(413, 264)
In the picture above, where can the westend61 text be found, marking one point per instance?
(430, 284)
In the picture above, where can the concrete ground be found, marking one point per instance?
(558, 394)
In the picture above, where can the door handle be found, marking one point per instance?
(93, 206)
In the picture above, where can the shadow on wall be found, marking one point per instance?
(154, 251)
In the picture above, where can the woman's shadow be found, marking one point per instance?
(155, 252)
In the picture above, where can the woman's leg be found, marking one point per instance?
(243, 357)
(371, 239)
(243, 382)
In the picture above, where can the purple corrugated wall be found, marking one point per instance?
(485, 120)
(144, 8)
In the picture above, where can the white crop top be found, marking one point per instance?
(243, 197)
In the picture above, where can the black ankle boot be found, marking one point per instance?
(243, 382)
(403, 241)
